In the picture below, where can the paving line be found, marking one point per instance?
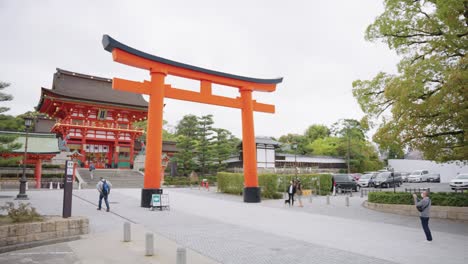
(121, 216)
(41, 253)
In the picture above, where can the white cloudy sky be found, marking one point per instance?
(317, 46)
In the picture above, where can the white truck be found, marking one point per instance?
(423, 176)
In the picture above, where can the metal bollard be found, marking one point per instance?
(328, 199)
(27, 186)
(362, 193)
(127, 233)
(310, 198)
(149, 244)
(181, 257)
(347, 200)
(351, 193)
(58, 185)
(51, 186)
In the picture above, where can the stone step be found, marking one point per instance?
(118, 178)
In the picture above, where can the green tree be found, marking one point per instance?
(315, 132)
(327, 146)
(187, 143)
(360, 154)
(205, 152)
(290, 140)
(184, 157)
(4, 97)
(424, 105)
(225, 144)
(7, 144)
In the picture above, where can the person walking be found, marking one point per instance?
(299, 193)
(104, 187)
(291, 191)
(91, 170)
(424, 208)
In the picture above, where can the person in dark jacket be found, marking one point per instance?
(291, 191)
(425, 205)
(104, 186)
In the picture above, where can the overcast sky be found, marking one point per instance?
(317, 46)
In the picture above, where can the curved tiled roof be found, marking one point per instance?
(92, 88)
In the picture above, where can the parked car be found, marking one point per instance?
(404, 176)
(345, 182)
(367, 180)
(356, 176)
(460, 182)
(423, 176)
(387, 179)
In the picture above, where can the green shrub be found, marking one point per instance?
(273, 185)
(179, 181)
(308, 181)
(440, 199)
(232, 183)
(24, 213)
(31, 176)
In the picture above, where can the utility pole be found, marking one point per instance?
(349, 146)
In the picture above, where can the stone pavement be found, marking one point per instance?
(222, 228)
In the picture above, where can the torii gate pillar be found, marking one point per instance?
(158, 90)
(249, 151)
(152, 180)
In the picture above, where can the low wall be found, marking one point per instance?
(442, 212)
(49, 229)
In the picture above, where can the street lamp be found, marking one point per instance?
(22, 190)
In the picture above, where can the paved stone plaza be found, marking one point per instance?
(221, 228)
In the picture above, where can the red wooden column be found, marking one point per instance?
(249, 151)
(38, 173)
(132, 146)
(152, 180)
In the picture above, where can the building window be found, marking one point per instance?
(102, 114)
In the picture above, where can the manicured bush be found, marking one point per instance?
(273, 185)
(179, 181)
(440, 199)
(29, 175)
(230, 182)
(308, 181)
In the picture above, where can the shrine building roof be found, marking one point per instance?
(92, 89)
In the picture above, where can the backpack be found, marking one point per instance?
(421, 208)
(105, 188)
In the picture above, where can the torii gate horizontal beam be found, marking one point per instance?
(205, 96)
(145, 61)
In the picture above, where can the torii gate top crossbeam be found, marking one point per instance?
(146, 61)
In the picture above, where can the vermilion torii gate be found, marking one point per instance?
(159, 68)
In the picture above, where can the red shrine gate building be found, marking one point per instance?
(94, 119)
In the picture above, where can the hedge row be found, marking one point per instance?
(440, 199)
(273, 184)
(28, 175)
(45, 166)
(185, 181)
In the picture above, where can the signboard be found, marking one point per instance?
(68, 188)
(156, 199)
(160, 201)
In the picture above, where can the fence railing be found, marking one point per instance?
(417, 190)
